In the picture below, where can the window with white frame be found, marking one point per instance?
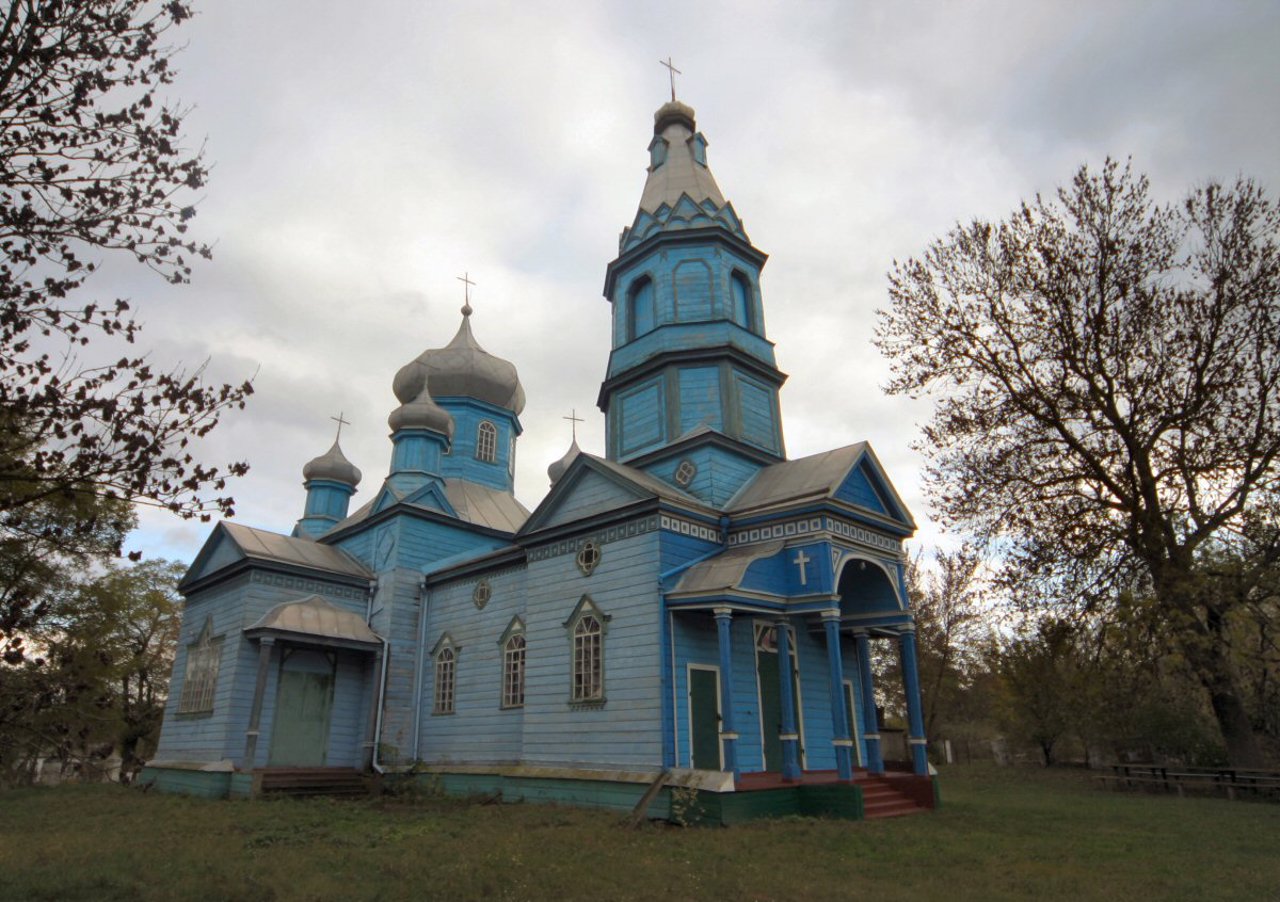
(513, 671)
(586, 633)
(200, 679)
(446, 658)
(487, 442)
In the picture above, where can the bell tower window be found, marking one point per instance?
(640, 312)
(740, 294)
(486, 442)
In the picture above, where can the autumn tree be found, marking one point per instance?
(93, 163)
(1106, 372)
(949, 622)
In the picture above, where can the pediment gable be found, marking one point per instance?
(867, 486)
(584, 491)
(219, 551)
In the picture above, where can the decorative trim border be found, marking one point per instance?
(309, 585)
(604, 537)
(689, 528)
(804, 527)
(865, 536)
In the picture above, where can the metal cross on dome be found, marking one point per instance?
(575, 420)
(467, 285)
(341, 422)
(672, 71)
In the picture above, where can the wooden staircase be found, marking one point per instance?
(880, 799)
(339, 782)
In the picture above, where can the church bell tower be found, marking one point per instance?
(691, 392)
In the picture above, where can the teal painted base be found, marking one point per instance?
(200, 783)
(673, 803)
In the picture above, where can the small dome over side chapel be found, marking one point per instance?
(334, 466)
(561, 466)
(422, 413)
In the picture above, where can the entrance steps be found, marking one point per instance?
(880, 799)
(339, 782)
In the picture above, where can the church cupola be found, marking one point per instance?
(330, 481)
(483, 395)
(421, 431)
(561, 466)
(692, 383)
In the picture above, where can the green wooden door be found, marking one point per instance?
(301, 732)
(704, 719)
(770, 708)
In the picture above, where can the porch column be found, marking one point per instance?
(790, 738)
(915, 716)
(265, 644)
(871, 724)
(728, 736)
(371, 731)
(839, 717)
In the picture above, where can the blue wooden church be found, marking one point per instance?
(692, 610)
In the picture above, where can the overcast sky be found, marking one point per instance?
(364, 155)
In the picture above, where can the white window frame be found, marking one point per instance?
(444, 692)
(487, 442)
(200, 678)
(586, 653)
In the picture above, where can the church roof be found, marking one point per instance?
(558, 467)
(333, 464)
(815, 478)
(680, 192)
(475, 504)
(461, 369)
(231, 543)
(317, 619)
(681, 172)
(724, 572)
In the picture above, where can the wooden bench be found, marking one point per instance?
(1233, 782)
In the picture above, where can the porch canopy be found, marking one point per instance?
(315, 621)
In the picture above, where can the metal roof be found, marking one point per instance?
(461, 369)
(333, 464)
(723, 572)
(314, 617)
(680, 173)
(816, 475)
(259, 544)
(483, 506)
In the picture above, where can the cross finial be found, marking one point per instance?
(672, 71)
(575, 420)
(341, 422)
(465, 279)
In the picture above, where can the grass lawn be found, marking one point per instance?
(1001, 834)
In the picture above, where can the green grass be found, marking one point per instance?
(1001, 834)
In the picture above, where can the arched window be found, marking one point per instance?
(586, 627)
(487, 442)
(513, 672)
(588, 659)
(200, 678)
(741, 299)
(640, 312)
(446, 658)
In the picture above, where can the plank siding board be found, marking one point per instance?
(590, 494)
(756, 408)
(700, 402)
(857, 489)
(642, 417)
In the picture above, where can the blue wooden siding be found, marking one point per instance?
(590, 494)
(480, 731)
(700, 401)
(691, 284)
(461, 462)
(865, 588)
(857, 489)
(626, 730)
(643, 415)
(720, 472)
(756, 409)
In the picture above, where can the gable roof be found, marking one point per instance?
(819, 477)
(634, 485)
(231, 543)
(473, 504)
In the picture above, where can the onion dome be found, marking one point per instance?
(334, 466)
(422, 413)
(462, 369)
(558, 469)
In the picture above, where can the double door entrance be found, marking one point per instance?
(304, 708)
